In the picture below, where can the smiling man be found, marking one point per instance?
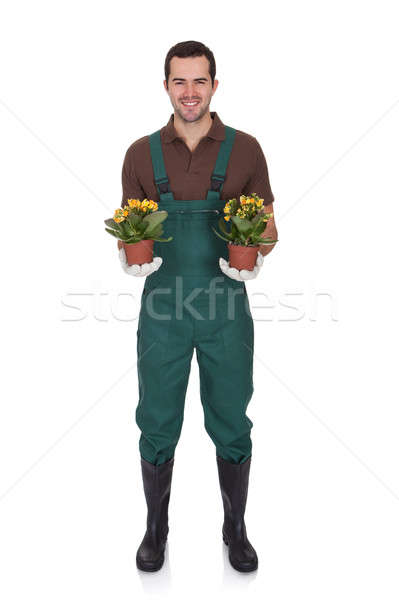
(191, 167)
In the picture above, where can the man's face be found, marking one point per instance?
(190, 81)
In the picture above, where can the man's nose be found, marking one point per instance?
(189, 90)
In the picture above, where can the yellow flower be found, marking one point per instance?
(227, 209)
(118, 216)
(145, 202)
(132, 202)
(125, 213)
(227, 217)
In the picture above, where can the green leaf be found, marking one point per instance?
(113, 232)
(141, 227)
(221, 236)
(163, 239)
(259, 217)
(134, 219)
(257, 221)
(222, 227)
(112, 224)
(264, 241)
(126, 228)
(154, 219)
(234, 205)
(234, 230)
(243, 225)
(155, 233)
(133, 240)
(258, 230)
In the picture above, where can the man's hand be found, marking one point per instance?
(139, 270)
(244, 274)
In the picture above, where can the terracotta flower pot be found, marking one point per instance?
(139, 253)
(243, 257)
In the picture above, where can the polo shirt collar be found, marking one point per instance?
(216, 131)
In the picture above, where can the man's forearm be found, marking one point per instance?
(270, 231)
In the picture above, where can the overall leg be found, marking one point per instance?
(164, 353)
(224, 348)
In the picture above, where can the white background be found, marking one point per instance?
(316, 83)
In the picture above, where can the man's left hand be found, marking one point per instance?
(242, 275)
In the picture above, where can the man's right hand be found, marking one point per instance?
(138, 270)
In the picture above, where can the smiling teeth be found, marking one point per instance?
(189, 103)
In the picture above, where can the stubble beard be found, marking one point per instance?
(195, 117)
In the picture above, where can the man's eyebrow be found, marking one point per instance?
(197, 79)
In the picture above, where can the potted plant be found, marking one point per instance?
(247, 223)
(138, 224)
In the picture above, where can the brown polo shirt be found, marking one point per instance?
(190, 173)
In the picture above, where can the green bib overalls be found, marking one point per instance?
(189, 303)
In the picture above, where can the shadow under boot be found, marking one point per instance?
(233, 479)
(157, 484)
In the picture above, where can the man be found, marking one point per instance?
(191, 167)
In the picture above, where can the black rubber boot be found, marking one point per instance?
(157, 483)
(233, 479)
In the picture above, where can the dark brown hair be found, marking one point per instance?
(191, 48)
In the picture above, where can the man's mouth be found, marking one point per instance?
(190, 103)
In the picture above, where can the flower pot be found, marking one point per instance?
(242, 257)
(139, 253)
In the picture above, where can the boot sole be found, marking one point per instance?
(239, 567)
(149, 567)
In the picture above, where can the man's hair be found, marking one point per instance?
(191, 48)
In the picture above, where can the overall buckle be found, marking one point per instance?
(163, 186)
(216, 182)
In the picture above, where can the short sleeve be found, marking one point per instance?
(130, 184)
(259, 181)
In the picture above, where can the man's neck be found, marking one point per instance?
(192, 132)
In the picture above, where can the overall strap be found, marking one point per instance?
(219, 173)
(158, 165)
(217, 178)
